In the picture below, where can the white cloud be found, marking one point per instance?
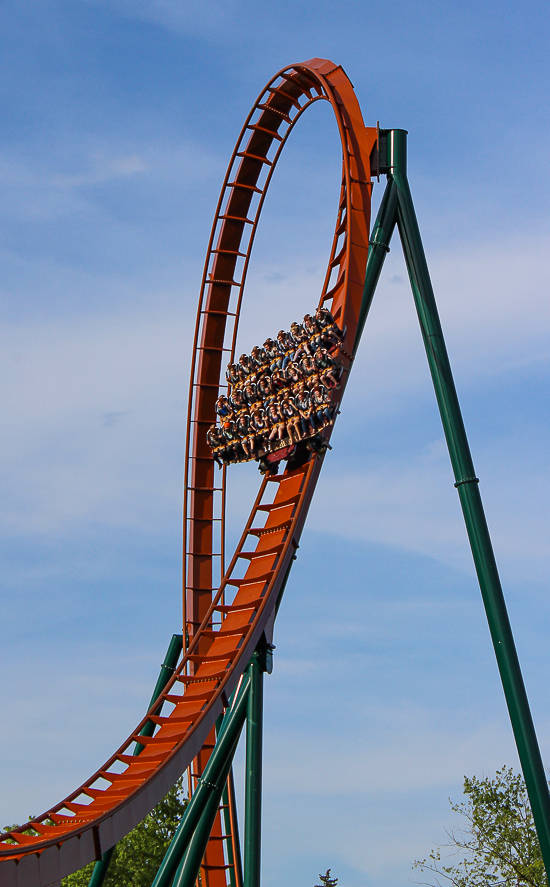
(43, 189)
(93, 422)
(210, 18)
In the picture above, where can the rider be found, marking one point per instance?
(320, 399)
(232, 441)
(302, 400)
(327, 367)
(244, 430)
(279, 380)
(328, 326)
(290, 413)
(276, 421)
(223, 408)
(265, 389)
(301, 338)
(260, 426)
(215, 440)
(273, 354)
(309, 370)
(250, 392)
(259, 360)
(299, 335)
(245, 367)
(232, 374)
(310, 326)
(236, 399)
(294, 374)
(286, 347)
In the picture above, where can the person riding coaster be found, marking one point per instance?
(233, 443)
(250, 392)
(309, 370)
(276, 421)
(279, 380)
(273, 354)
(290, 413)
(299, 336)
(245, 367)
(246, 435)
(260, 427)
(233, 375)
(328, 328)
(223, 408)
(302, 399)
(216, 441)
(324, 409)
(259, 360)
(328, 368)
(236, 399)
(310, 326)
(325, 320)
(303, 349)
(294, 374)
(265, 389)
(286, 346)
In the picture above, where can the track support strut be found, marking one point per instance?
(259, 663)
(397, 208)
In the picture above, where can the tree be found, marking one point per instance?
(498, 844)
(138, 856)
(326, 880)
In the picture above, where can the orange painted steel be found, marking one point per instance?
(225, 620)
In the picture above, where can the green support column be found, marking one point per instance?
(260, 662)
(166, 671)
(189, 868)
(206, 796)
(379, 247)
(470, 499)
(232, 828)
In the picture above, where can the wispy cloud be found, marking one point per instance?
(210, 19)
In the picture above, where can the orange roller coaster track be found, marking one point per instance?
(224, 621)
(196, 716)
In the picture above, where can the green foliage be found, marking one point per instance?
(498, 846)
(138, 856)
(326, 880)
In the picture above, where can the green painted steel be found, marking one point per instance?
(189, 868)
(463, 468)
(209, 785)
(379, 247)
(101, 868)
(166, 671)
(234, 859)
(253, 774)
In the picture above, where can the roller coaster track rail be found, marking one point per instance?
(229, 610)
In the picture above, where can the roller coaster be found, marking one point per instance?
(211, 682)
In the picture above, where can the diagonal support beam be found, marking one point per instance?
(253, 785)
(232, 828)
(206, 798)
(397, 208)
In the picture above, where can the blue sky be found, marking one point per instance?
(118, 119)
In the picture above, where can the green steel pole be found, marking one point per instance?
(470, 499)
(253, 785)
(379, 247)
(208, 784)
(189, 868)
(101, 868)
(166, 671)
(232, 828)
